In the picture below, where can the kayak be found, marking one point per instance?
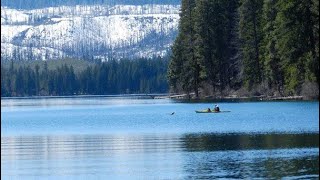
(206, 111)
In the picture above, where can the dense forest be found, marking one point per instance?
(246, 47)
(111, 77)
(234, 47)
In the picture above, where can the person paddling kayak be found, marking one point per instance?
(216, 108)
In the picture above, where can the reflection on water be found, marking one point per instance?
(80, 101)
(118, 138)
(189, 156)
(218, 142)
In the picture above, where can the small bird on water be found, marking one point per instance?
(172, 113)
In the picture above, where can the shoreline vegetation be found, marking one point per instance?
(237, 50)
(237, 98)
(247, 48)
(174, 96)
(75, 77)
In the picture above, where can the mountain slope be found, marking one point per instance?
(90, 32)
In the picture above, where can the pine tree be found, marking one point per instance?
(215, 31)
(218, 29)
(175, 65)
(233, 44)
(190, 67)
(296, 42)
(37, 79)
(184, 57)
(204, 41)
(273, 72)
(251, 35)
(314, 64)
(19, 83)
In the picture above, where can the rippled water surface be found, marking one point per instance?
(123, 138)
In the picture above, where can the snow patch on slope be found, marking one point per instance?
(91, 31)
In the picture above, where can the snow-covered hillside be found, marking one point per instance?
(96, 31)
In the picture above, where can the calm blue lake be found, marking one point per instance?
(126, 138)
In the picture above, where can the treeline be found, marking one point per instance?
(111, 77)
(256, 47)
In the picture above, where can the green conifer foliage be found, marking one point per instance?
(251, 36)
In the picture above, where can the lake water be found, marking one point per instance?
(125, 138)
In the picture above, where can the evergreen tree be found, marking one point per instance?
(251, 35)
(273, 72)
(204, 41)
(19, 83)
(296, 42)
(314, 63)
(233, 45)
(184, 52)
(37, 76)
(175, 65)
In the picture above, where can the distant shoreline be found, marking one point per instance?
(182, 97)
(241, 98)
(87, 96)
